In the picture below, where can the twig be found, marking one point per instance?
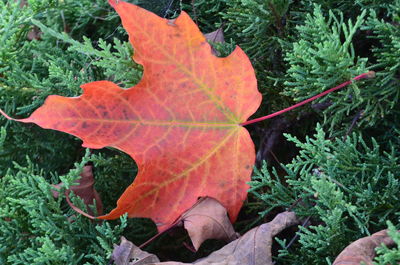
(305, 224)
(294, 204)
(354, 122)
(168, 8)
(278, 21)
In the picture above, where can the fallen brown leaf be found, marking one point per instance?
(208, 219)
(363, 250)
(253, 248)
(85, 190)
(129, 254)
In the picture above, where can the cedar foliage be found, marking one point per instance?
(344, 180)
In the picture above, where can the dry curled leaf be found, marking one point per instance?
(253, 248)
(208, 219)
(363, 250)
(85, 189)
(129, 254)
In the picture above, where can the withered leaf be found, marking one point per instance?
(363, 249)
(85, 189)
(253, 248)
(129, 254)
(208, 219)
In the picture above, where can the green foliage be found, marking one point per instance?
(324, 55)
(347, 187)
(163, 8)
(30, 70)
(320, 59)
(114, 60)
(254, 23)
(37, 228)
(387, 54)
(387, 255)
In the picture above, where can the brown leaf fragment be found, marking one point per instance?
(363, 249)
(34, 34)
(208, 219)
(216, 36)
(129, 254)
(85, 190)
(253, 248)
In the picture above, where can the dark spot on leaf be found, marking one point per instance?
(125, 113)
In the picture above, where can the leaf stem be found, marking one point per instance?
(369, 74)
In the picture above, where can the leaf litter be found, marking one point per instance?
(253, 248)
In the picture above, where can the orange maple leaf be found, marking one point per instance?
(181, 123)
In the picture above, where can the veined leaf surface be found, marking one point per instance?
(181, 123)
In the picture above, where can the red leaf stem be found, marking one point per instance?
(369, 74)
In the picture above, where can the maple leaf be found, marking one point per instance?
(181, 123)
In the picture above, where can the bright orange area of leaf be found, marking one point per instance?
(180, 123)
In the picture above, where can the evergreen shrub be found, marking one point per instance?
(342, 179)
